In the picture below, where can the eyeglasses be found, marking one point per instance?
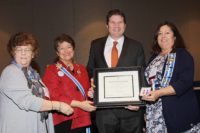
(19, 50)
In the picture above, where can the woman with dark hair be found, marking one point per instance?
(23, 104)
(68, 82)
(172, 105)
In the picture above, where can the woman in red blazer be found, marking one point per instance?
(62, 88)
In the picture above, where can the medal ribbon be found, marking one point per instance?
(168, 69)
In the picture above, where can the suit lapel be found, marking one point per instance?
(102, 47)
(123, 53)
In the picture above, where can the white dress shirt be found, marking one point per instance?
(108, 48)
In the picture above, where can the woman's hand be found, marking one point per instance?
(91, 89)
(132, 108)
(62, 107)
(87, 106)
(91, 92)
(84, 105)
(66, 109)
(152, 96)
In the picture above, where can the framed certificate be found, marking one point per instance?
(117, 87)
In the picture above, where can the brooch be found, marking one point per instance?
(60, 74)
(58, 65)
(78, 71)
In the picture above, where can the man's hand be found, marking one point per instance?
(133, 108)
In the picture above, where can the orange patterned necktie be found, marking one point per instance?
(114, 55)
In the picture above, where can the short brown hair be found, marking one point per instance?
(22, 39)
(115, 12)
(63, 38)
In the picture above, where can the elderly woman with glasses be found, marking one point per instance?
(23, 97)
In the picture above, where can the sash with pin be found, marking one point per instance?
(168, 69)
(76, 82)
(162, 81)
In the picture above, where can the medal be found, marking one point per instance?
(145, 91)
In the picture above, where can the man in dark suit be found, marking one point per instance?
(129, 53)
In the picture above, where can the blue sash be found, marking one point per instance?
(168, 69)
(162, 81)
(76, 82)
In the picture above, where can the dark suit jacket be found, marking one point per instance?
(132, 55)
(181, 111)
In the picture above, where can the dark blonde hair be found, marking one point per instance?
(22, 39)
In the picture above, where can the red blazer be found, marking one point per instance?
(62, 88)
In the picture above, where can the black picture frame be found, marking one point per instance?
(120, 78)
